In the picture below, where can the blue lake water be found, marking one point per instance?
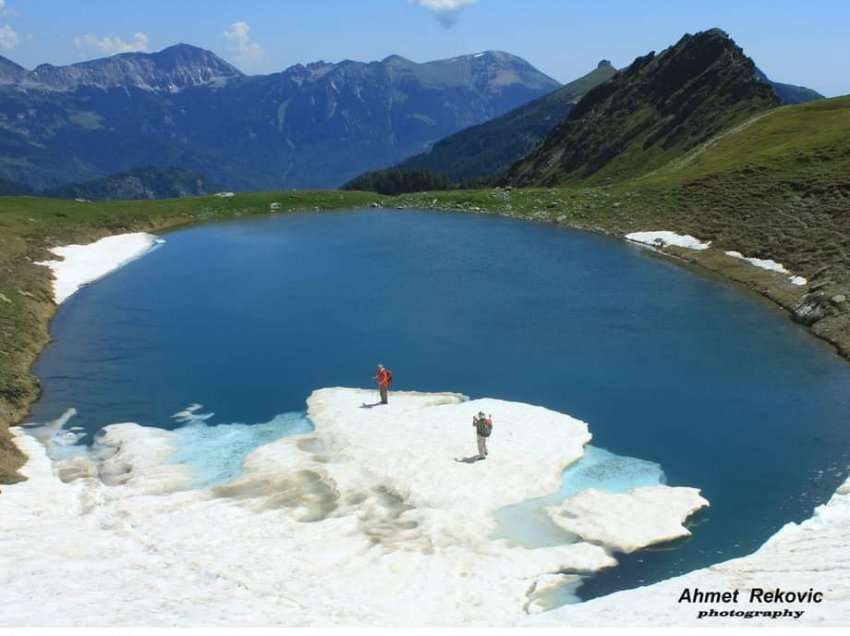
(675, 368)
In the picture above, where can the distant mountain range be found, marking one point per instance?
(170, 70)
(653, 111)
(308, 126)
(152, 124)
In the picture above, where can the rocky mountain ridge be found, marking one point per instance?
(309, 126)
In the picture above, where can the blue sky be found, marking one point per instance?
(796, 42)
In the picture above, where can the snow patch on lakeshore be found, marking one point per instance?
(769, 265)
(366, 520)
(812, 554)
(83, 264)
(629, 521)
(663, 238)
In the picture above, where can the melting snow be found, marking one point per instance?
(770, 265)
(366, 520)
(83, 264)
(664, 238)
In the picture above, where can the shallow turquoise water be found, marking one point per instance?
(527, 524)
(215, 453)
(678, 369)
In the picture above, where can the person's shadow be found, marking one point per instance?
(469, 460)
(370, 406)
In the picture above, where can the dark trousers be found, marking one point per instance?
(383, 389)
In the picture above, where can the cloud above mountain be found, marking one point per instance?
(6, 11)
(240, 43)
(111, 45)
(446, 11)
(8, 36)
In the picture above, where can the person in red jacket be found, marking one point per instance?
(382, 377)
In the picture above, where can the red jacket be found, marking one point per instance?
(383, 378)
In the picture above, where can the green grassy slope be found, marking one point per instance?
(777, 186)
(800, 141)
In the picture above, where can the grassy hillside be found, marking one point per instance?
(792, 140)
(30, 225)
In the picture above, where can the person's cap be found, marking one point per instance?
(481, 413)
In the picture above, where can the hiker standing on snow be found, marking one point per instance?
(483, 427)
(383, 377)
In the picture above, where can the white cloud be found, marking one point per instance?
(110, 46)
(238, 36)
(446, 11)
(8, 37)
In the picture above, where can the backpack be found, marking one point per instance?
(485, 427)
(389, 377)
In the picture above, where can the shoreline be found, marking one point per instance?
(33, 226)
(603, 607)
(776, 287)
(771, 285)
(85, 264)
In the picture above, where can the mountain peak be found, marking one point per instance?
(172, 69)
(183, 47)
(10, 72)
(604, 64)
(498, 56)
(396, 59)
(714, 32)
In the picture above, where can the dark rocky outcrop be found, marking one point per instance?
(812, 308)
(656, 109)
